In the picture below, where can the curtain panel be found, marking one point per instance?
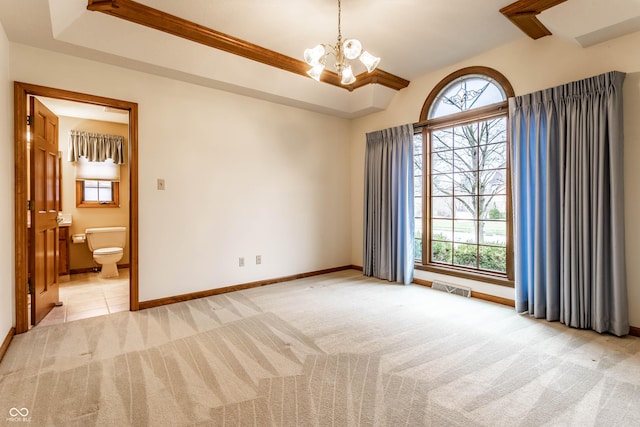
(95, 147)
(388, 205)
(567, 161)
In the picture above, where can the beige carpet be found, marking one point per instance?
(338, 349)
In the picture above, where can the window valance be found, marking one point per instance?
(95, 147)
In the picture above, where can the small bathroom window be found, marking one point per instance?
(97, 184)
(97, 194)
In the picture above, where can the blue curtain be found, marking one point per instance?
(388, 205)
(567, 162)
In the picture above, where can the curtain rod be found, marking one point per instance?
(474, 114)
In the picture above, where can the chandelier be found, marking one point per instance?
(342, 51)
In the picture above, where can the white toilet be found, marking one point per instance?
(107, 245)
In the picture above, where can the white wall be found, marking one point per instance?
(7, 250)
(246, 177)
(529, 65)
(243, 177)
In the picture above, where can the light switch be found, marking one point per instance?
(160, 184)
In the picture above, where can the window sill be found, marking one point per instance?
(467, 274)
(97, 205)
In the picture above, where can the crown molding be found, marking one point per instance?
(523, 14)
(141, 14)
(380, 77)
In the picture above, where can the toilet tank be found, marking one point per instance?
(106, 237)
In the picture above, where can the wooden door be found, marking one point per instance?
(45, 198)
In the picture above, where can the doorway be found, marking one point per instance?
(22, 91)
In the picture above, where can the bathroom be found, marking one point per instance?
(84, 292)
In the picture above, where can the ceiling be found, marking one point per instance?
(413, 38)
(80, 110)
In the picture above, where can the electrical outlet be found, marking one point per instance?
(160, 184)
(258, 259)
(241, 262)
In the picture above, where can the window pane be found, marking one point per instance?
(442, 139)
(442, 207)
(465, 93)
(90, 194)
(493, 207)
(466, 207)
(441, 252)
(442, 229)
(465, 136)
(492, 258)
(466, 183)
(417, 143)
(493, 156)
(97, 191)
(443, 108)
(417, 165)
(465, 231)
(441, 185)
(105, 195)
(465, 255)
(417, 242)
(493, 182)
(442, 162)
(417, 186)
(465, 159)
(418, 189)
(493, 131)
(493, 233)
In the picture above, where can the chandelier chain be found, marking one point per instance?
(339, 13)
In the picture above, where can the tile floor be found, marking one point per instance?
(86, 295)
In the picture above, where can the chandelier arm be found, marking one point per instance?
(328, 50)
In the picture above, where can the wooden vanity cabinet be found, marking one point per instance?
(63, 244)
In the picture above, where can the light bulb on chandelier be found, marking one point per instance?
(342, 51)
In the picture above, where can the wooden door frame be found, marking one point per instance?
(21, 92)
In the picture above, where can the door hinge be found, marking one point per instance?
(30, 205)
(28, 120)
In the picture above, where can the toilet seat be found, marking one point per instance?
(107, 251)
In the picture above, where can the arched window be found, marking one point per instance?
(461, 168)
